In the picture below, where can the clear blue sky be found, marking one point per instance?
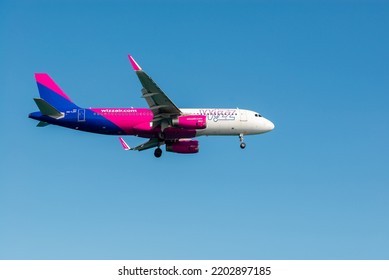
(317, 187)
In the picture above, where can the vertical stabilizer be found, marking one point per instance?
(52, 93)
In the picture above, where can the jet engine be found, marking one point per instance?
(183, 146)
(190, 122)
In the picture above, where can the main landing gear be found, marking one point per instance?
(242, 144)
(158, 152)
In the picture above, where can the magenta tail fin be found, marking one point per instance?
(52, 93)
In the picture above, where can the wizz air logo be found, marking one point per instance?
(219, 114)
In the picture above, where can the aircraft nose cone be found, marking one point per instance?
(268, 125)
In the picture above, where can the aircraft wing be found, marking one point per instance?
(153, 142)
(161, 106)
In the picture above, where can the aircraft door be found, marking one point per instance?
(81, 115)
(243, 116)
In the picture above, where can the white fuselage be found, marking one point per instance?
(231, 121)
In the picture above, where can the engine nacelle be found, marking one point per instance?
(191, 122)
(183, 146)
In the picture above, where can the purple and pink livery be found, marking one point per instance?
(162, 123)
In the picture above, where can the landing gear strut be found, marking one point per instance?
(242, 144)
(158, 152)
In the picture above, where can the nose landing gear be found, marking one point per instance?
(242, 144)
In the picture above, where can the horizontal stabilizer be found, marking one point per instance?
(42, 124)
(47, 109)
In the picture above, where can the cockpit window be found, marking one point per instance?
(258, 115)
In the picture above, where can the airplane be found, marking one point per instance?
(163, 123)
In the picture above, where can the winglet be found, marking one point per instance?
(124, 144)
(134, 64)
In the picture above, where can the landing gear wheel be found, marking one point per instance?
(242, 144)
(158, 152)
